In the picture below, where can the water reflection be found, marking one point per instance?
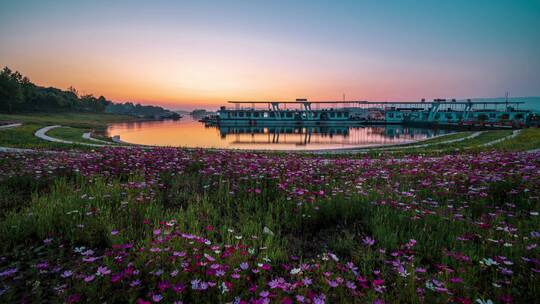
(190, 133)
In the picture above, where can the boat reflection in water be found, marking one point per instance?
(188, 132)
(324, 137)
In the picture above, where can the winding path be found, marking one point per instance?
(491, 143)
(42, 134)
(13, 125)
(88, 136)
(475, 134)
(398, 147)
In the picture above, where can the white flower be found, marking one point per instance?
(295, 271)
(267, 230)
(488, 262)
(223, 288)
(333, 256)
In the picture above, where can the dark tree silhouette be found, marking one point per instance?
(19, 94)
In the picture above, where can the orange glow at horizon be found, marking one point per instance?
(212, 86)
(242, 68)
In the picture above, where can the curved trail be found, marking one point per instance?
(491, 143)
(475, 134)
(42, 134)
(88, 136)
(14, 125)
(398, 147)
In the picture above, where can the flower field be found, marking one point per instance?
(170, 225)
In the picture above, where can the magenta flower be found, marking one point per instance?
(102, 271)
(367, 241)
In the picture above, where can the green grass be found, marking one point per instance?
(446, 138)
(467, 144)
(71, 134)
(78, 123)
(23, 137)
(80, 120)
(528, 139)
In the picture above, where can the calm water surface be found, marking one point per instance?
(188, 132)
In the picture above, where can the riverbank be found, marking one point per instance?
(23, 136)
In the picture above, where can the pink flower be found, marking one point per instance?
(103, 270)
(456, 280)
(244, 266)
(66, 274)
(367, 241)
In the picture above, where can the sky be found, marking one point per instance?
(189, 54)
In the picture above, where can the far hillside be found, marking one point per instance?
(19, 95)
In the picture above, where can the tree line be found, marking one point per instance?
(19, 95)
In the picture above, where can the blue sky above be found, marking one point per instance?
(210, 51)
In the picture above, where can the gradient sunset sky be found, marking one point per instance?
(185, 54)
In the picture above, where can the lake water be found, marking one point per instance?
(188, 132)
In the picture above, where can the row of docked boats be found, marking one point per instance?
(502, 114)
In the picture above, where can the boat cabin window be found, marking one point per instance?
(289, 114)
(272, 114)
(256, 114)
(333, 114)
(241, 114)
(390, 115)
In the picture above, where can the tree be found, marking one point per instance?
(73, 91)
(11, 93)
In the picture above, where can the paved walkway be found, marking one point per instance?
(88, 136)
(15, 150)
(491, 143)
(42, 134)
(392, 148)
(475, 134)
(10, 126)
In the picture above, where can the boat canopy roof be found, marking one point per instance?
(381, 102)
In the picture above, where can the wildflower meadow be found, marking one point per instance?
(167, 225)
